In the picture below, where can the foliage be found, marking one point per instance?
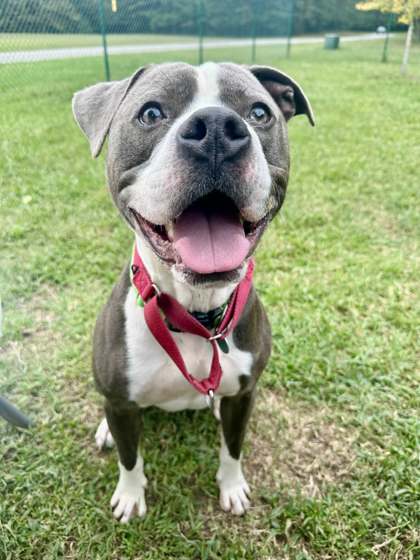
(222, 17)
(407, 10)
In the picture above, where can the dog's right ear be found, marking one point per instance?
(94, 108)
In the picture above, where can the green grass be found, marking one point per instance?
(34, 41)
(333, 449)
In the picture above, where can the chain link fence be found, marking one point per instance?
(33, 31)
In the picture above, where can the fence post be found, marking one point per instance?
(254, 33)
(386, 42)
(200, 29)
(104, 43)
(290, 27)
(254, 44)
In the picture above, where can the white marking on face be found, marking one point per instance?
(234, 489)
(208, 94)
(128, 498)
(154, 380)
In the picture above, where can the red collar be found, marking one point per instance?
(158, 305)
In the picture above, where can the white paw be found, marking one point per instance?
(234, 495)
(234, 490)
(125, 505)
(103, 436)
(128, 499)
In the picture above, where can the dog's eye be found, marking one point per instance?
(151, 114)
(259, 114)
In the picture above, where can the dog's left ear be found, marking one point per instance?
(94, 108)
(287, 93)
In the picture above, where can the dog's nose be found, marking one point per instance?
(214, 134)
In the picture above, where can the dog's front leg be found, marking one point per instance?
(128, 498)
(234, 490)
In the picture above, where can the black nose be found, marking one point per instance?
(215, 135)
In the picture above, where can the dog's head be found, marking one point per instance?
(198, 157)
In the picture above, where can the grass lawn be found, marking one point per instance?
(332, 453)
(34, 41)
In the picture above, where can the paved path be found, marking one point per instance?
(76, 52)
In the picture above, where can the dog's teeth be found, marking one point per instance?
(170, 231)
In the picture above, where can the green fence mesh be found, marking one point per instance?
(46, 30)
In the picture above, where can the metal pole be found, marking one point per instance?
(101, 7)
(200, 29)
(254, 33)
(386, 42)
(290, 27)
(10, 413)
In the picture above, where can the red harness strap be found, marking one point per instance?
(157, 304)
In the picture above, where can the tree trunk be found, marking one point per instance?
(408, 41)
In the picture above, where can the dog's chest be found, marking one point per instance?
(154, 380)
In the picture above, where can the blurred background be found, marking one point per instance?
(41, 30)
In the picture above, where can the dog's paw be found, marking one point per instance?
(234, 494)
(125, 505)
(103, 436)
(128, 499)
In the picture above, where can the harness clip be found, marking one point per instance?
(158, 292)
(222, 342)
(216, 336)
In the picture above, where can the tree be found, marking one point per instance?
(408, 12)
(238, 18)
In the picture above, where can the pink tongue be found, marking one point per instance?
(210, 240)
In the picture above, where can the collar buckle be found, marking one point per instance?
(221, 341)
(150, 291)
(157, 291)
(216, 336)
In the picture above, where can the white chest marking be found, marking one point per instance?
(154, 380)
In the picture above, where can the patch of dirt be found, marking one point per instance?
(41, 333)
(21, 377)
(386, 223)
(296, 447)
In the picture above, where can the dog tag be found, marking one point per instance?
(223, 345)
(210, 400)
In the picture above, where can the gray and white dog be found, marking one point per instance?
(198, 165)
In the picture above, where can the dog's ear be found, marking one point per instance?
(94, 108)
(287, 93)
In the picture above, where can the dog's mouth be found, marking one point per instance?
(209, 236)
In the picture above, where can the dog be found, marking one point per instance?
(197, 165)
